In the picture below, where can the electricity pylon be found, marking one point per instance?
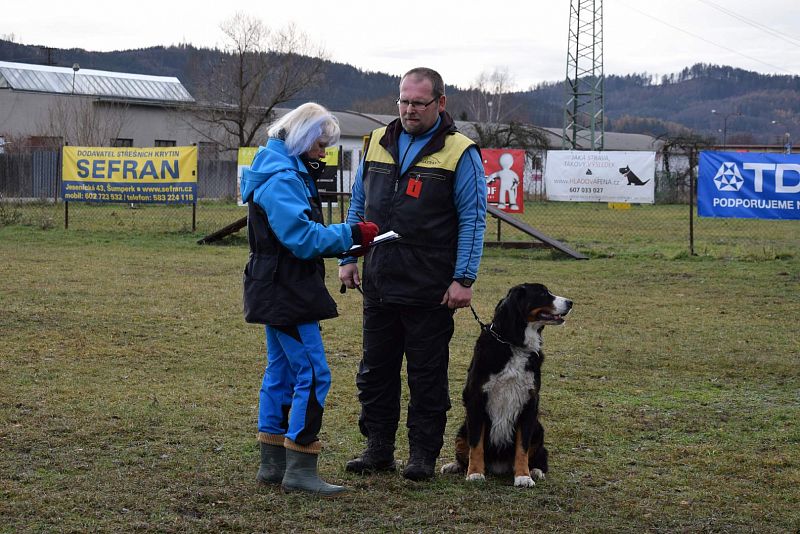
(583, 113)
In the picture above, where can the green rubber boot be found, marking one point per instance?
(301, 475)
(273, 459)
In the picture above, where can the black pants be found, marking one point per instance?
(423, 335)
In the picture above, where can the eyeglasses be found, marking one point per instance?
(420, 106)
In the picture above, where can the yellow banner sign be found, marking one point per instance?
(246, 154)
(156, 175)
(331, 156)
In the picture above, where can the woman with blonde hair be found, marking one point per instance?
(284, 289)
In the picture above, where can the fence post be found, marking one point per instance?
(58, 177)
(691, 210)
(341, 183)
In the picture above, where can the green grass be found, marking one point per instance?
(129, 385)
(592, 228)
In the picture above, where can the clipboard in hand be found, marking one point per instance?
(386, 237)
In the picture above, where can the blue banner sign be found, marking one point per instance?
(749, 185)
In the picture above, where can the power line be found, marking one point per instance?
(766, 29)
(665, 23)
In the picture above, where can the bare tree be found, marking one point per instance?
(260, 69)
(485, 97)
(81, 122)
(485, 103)
(512, 135)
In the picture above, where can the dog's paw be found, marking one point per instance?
(451, 468)
(476, 477)
(537, 474)
(524, 482)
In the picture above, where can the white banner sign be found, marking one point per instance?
(584, 176)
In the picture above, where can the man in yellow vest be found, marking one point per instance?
(424, 180)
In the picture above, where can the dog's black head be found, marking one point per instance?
(528, 304)
(625, 170)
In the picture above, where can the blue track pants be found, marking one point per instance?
(296, 382)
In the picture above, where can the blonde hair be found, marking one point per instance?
(302, 126)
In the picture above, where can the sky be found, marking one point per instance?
(459, 38)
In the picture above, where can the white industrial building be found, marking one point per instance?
(44, 107)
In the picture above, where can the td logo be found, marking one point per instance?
(728, 177)
(786, 176)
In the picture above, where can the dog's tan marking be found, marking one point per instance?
(533, 315)
(520, 457)
(477, 468)
(462, 449)
(522, 476)
(462, 457)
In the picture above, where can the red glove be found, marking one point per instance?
(365, 232)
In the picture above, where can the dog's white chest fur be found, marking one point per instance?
(509, 390)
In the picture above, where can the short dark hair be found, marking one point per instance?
(429, 74)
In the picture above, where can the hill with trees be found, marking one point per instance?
(751, 107)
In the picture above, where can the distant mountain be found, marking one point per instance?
(636, 103)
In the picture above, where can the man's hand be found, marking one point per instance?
(456, 296)
(348, 275)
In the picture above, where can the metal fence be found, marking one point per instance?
(29, 190)
(30, 176)
(36, 176)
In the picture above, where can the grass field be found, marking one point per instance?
(129, 383)
(661, 231)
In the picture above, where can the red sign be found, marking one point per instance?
(504, 169)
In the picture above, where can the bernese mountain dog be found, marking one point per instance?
(502, 433)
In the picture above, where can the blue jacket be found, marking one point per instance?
(281, 185)
(284, 279)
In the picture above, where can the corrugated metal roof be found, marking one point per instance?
(47, 79)
(351, 123)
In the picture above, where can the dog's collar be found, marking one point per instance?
(489, 328)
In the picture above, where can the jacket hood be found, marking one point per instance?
(269, 160)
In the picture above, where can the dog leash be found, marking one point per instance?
(488, 327)
(344, 288)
